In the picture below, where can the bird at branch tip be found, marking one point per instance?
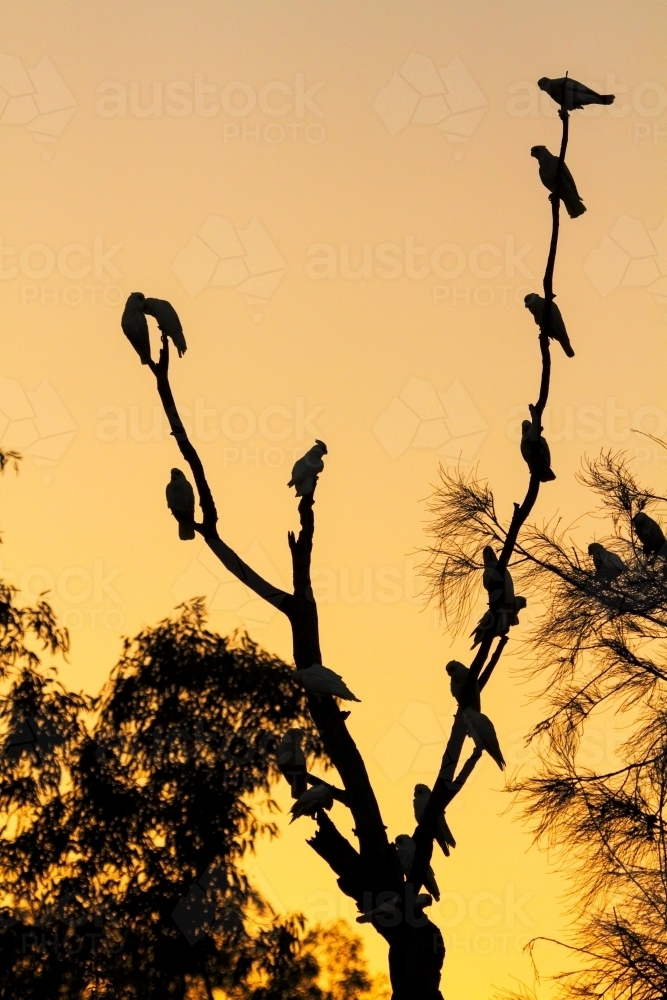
(168, 322)
(306, 470)
(319, 680)
(135, 327)
(291, 761)
(607, 564)
(483, 733)
(459, 675)
(407, 848)
(651, 535)
(570, 94)
(315, 798)
(536, 454)
(388, 909)
(443, 835)
(181, 502)
(535, 304)
(568, 189)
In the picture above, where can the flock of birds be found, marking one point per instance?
(312, 794)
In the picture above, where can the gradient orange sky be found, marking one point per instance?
(338, 199)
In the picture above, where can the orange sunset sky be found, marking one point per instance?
(338, 199)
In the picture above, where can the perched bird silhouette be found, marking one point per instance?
(319, 680)
(135, 326)
(168, 321)
(571, 94)
(316, 798)
(459, 675)
(407, 849)
(483, 733)
(443, 835)
(494, 622)
(500, 586)
(535, 304)
(292, 761)
(308, 468)
(568, 189)
(181, 502)
(607, 564)
(388, 909)
(538, 459)
(650, 534)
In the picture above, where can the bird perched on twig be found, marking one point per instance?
(316, 798)
(168, 321)
(650, 534)
(135, 326)
(308, 468)
(607, 564)
(407, 849)
(483, 733)
(501, 586)
(319, 680)
(535, 304)
(443, 835)
(570, 94)
(181, 502)
(568, 189)
(459, 675)
(291, 761)
(538, 459)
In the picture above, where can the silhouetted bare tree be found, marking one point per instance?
(370, 872)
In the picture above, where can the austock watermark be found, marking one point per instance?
(36, 423)
(84, 596)
(420, 93)
(207, 577)
(35, 97)
(222, 256)
(500, 268)
(423, 417)
(630, 256)
(71, 274)
(271, 113)
(271, 437)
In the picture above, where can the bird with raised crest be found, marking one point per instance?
(307, 469)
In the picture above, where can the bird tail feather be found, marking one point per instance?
(186, 532)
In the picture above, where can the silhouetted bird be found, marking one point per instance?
(292, 761)
(319, 680)
(459, 675)
(570, 94)
(650, 534)
(443, 835)
(135, 326)
(407, 849)
(483, 733)
(316, 798)
(181, 502)
(308, 468)
(538, 459)
(168, 321)
(535, 304)
(501, 586)
(568, 189)
(607, 564)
